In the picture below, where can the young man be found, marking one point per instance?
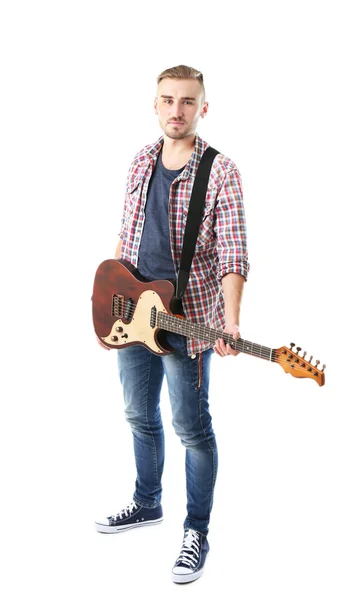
(158, 192)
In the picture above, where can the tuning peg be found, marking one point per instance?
(323, 368)
(291, 346)
(311, 358)
(304, 354)
(298, 349)
(317, 363)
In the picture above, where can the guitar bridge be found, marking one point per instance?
(121, 308)
(118, 306)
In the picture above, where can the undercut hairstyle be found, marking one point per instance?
(182, 72)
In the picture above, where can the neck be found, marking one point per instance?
(176, 153)
(179, 146)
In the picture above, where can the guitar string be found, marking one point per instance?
(259, 352)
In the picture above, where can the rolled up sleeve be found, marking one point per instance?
(230, 227)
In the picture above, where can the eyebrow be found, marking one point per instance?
(184, 98)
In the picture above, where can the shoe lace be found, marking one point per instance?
(126, 512)
(190, 550)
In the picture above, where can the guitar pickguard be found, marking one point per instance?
(139, 329)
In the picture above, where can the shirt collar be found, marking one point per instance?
(191, 165)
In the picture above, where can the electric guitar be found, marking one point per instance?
(127, 310)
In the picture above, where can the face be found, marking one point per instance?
(179, 105)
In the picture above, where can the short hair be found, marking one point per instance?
(182, 72)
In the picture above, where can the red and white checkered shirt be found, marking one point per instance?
(221, 246)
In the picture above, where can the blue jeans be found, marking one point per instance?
(141, 375)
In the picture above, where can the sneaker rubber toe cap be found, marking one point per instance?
(182, 571)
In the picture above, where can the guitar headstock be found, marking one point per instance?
(297, 366)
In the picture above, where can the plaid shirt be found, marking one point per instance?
(221, 243)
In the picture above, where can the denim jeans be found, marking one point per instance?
(141, 375)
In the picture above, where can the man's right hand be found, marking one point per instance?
(101, 343)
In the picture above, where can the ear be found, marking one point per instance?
(155, 106)
(204, 110)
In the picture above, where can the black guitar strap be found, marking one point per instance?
(196, 207)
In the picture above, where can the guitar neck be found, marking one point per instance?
(200, 332)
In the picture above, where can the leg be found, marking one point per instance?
(188, 382)
(141, 374)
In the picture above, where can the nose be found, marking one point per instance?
(176, 110)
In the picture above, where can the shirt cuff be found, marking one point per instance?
(240, 268)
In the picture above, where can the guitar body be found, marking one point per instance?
(122, 304)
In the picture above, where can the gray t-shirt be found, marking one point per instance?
(155, 258)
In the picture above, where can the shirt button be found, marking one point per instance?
(193, 356)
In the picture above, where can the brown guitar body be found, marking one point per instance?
(122, 304)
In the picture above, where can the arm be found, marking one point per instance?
(232, 251)
(118, 249)
(232, 285)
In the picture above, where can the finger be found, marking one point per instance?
(222, 344)
(231, 350)
(218, 348)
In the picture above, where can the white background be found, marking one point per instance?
(78, 82)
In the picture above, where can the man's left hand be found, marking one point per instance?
(223, 349)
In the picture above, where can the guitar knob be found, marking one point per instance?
(119, 329)
(114, 338)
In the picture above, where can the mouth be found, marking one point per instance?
(175, 123)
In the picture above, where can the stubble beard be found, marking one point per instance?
(176, 134)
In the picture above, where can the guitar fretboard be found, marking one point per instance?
(200, 332)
